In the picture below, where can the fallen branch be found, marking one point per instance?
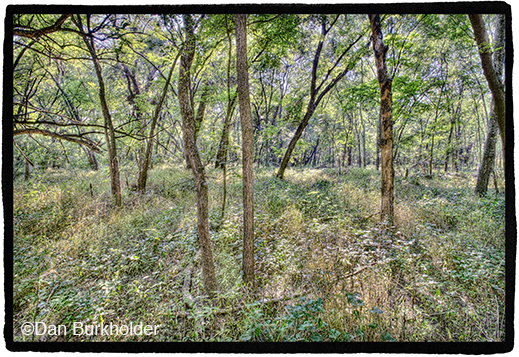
(356, 272)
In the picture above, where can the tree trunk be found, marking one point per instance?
(386, 110)
(293, 142)
(312, 154)
(309, 110)
(449, 150)
(487, 162)
(315, 96)
(199, 117)
(113, 161)
(436, 114)
(134, 91)
(188, 128)
(247, 154)
(27, 171)
(359, 142)
(91, 158)
(364, 156)
(377, 162)
(452, 150)
(492, 75)
(223, 147)
(143, 171)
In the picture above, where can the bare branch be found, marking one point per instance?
(86, 142)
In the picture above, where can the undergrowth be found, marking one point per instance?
(326, 269)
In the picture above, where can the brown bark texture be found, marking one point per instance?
(223, 147)
(111, 143)
(491, 74)
(247, 154)
(188, 128)
(487, 163)
(386, 113)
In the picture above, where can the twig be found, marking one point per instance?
(26, 158)
(356, 272)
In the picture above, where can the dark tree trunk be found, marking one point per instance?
(377, 160)
(247, 154)
(449, 150)
(386, 110)
(487, 163)
(143, 170)
(315, 96)
(113, 160)
(491, 74)
(27, 171)
(91, 158)
(312, 154)
(223, 147)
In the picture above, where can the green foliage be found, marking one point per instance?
(76, 258)
(437, 275)
(302, 322)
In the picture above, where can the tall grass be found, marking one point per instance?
(326, 269)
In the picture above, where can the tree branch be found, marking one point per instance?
(86, 142)
(44, 31)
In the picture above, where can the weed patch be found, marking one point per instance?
(326, 270)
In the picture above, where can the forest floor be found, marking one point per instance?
(326, 269)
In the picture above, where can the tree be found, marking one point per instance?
(247, 156)
(41, 35)
(143, 170)
(197, 168)
(111, 144)
(386, 113)
(317, 91)
(487, 162)
(491, 75)
(29, 32)
(221, 156)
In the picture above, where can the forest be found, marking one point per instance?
(259, 177)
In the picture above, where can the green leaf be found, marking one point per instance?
(387, 337)
(316, 337)
(246, 336)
